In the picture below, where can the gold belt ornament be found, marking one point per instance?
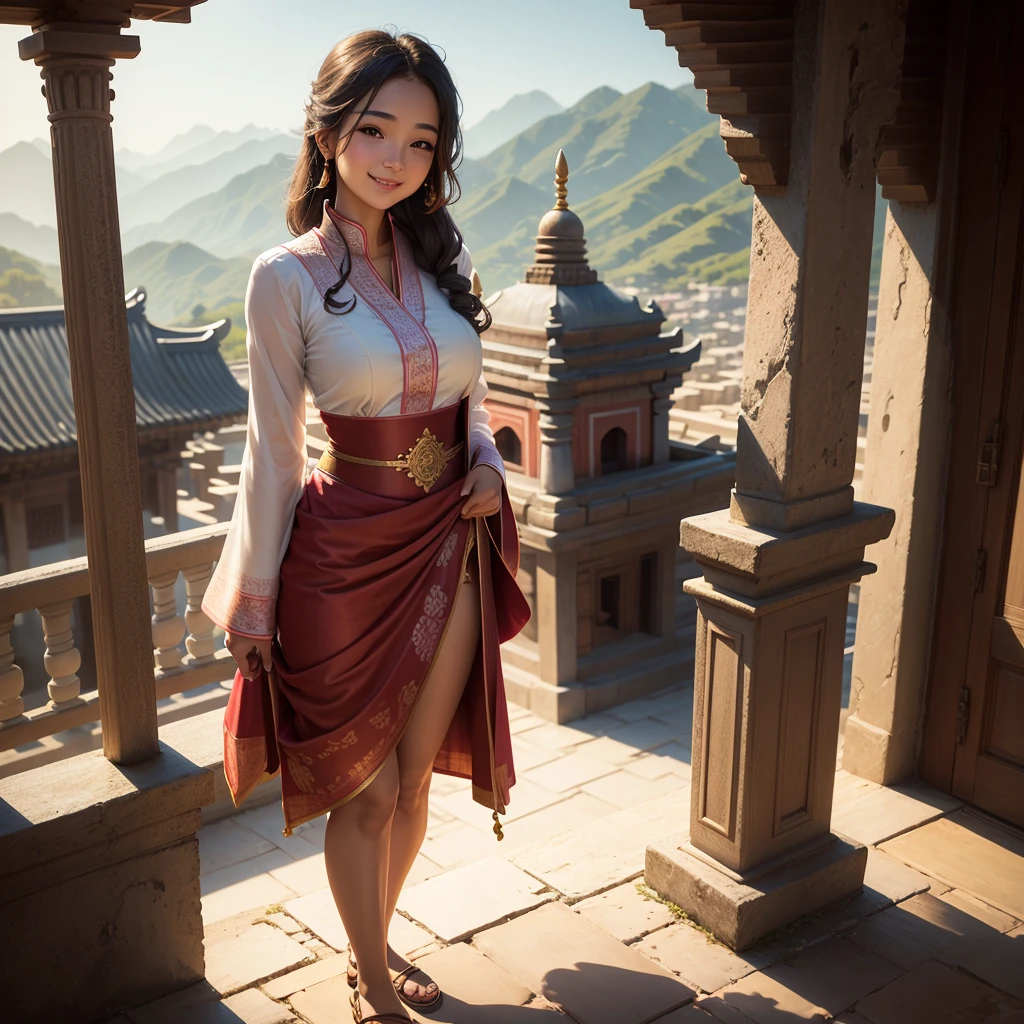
(425, 462)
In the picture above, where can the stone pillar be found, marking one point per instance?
(905, 467)
(778, 563)
(75, 59)
(557, 472)
(15, 533)
(660, 406)
(167, 496)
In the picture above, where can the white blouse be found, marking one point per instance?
(388, 355)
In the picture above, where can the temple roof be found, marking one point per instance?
(182, 383)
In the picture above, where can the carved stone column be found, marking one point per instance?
(557, 473)
(75, 61)
(777, 565)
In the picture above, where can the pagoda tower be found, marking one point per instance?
(581, 378)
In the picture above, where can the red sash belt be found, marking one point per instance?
(398, 456)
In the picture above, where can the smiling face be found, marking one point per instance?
(390, 152)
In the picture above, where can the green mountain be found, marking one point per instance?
(38, 242)
(244, 217)
(175, 189)
(180, 276)
(509, 119)
(604, 145)
(495, 211)
(24, 282)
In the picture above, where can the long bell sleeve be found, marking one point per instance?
(242, 595)
(483, 451)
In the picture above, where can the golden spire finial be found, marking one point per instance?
(561, 177)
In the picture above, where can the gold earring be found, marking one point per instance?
(431, 196)
(325, 178)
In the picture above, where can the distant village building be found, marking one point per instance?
(182, 387)
(581, 380)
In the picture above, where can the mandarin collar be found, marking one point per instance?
(353, 232)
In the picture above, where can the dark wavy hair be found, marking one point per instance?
(360, 64)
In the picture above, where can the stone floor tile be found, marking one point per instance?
(935, 994)
(895, 881)
(460, 845)
(701, 963)
(303, 876)
(458, 903)
(326, 1002)
(915, 930)
(678, 757)
(226, 842)
(652, 766)
(261, 951)
(995, 919)
(268, 821)
(596, 725)
(527, 755)
(240, 886)
(625, 913)
(623, 789)
(464, 973)
(443, 785)
(719, 1010)
(197, 1004)
(407, 937)
(570, 772)
(606, 852)
(871, 813)
(303, 977)
(570, 812)
(994, 958)
(287, 924)
(253, 1007)
(645, 734)
(834, 974)
(614, 751)
(319, 914)
(422, 869)
(851, 1018)
(685, 1015)
(527, 723)
(763, 1001)
(969, 853)
(558, 737)
(576, 965)
(527, 797)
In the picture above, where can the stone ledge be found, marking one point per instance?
(738, 914)
(86, 804)
(757, 553)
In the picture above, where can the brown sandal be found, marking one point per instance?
(375, 1018)
(398, 979)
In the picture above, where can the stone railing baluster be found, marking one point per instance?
(61, 658)
(199, 642)
(168, 625)
(12, 682)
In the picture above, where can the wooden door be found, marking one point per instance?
(973, 743)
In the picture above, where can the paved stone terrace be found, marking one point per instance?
(553, 924)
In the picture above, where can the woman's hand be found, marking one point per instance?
(248, 653)
(483, 485)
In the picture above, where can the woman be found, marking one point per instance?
(377, 592)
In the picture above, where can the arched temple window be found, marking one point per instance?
(614, 457)
(510, 448)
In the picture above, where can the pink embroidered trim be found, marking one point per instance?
(240, 603)
(312, 256)
(485, 454)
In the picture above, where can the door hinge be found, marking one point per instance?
(988, 458)
(963, 714)
(980, 560)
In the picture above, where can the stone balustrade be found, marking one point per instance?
(52, 590)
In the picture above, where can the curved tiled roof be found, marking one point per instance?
(181, 380)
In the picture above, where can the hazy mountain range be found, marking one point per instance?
(648, 174)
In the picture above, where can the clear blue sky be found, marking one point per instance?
(244, 61)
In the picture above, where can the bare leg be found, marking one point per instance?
(356, 845)
(419, 745)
